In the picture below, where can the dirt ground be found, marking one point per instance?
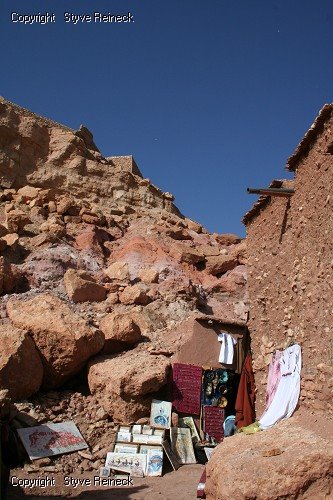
(173, 485)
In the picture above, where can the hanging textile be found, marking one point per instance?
(287, 393)
(227, 348)
(274, 375)
(186, 388)
(213, 418)
(245, 412)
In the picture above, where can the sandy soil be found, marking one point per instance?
(173, 485)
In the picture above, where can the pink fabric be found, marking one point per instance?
(274, 376)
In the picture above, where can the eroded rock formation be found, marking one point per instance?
(98, 265)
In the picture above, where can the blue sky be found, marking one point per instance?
(210, 96)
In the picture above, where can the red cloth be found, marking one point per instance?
(186, 388)
(245, 412)
(213, 422)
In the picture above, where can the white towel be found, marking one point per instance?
(227, 348)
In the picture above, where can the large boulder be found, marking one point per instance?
(183, 253)
(28, 193)
(118, 271)
(81, 287)
(21, 369)
(92, 239)
(63, 339)
(220, 264)
(16, 220)
(126, 383)
(120, 332)
(284, 462)
(135, 294)
(227, 239)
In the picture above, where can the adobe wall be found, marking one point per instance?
(290, 261)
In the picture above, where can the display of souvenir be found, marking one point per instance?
(215, 387)
(125, 437)
(213, 418)
(146, 429)
(186, 388)
(104, 471)
(159, 432)
(160, 414)
(124, 428)
(155, 462)
(189, 422)
(140, 438)
(145, 447)
(51, 439)
(171, 455)
(134, 464)
(155, 439)
(125, 448)
(182, 446)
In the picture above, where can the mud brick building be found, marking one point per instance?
(290, 258)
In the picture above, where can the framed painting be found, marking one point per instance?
(182, 446)
(51, 439)
(155, 462)
(171, 456)
(160, 414)
(132, 463)
(188, 422)
(125, 448)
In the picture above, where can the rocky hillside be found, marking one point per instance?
(99, 271)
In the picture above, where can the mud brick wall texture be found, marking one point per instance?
(290, 259)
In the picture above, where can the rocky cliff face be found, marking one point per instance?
(98, 268)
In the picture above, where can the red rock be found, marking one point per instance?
(28, 193)
(52, 206)
(80, 287)
(209, 250)
(178, 234)
(220, 264)
(126, 383)
(194, 226)
(302, 470)
(12, 240)
(149, 275)
(8, 278)
(186, 254)
(227, 239)
(42, 239)
(118, 271)
(54, 226)
(21, 369)
(64, 204)
(16, 220)
(120, 332)
(239, 251)
(92, 238)
(62, 337)
(134, 295)
(92, 217)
